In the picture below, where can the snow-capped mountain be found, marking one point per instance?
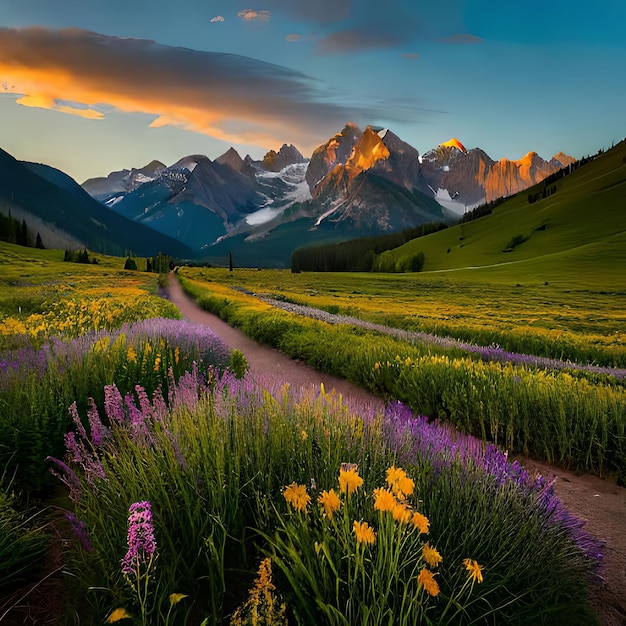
(462, 179)
(357, 183)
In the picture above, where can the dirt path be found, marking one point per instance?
(600, 502)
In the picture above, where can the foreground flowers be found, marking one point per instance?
(141, 543)
(356, 541)
(475, 570)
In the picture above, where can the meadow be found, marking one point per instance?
(572, 418)
(581, 318)
(187, 493)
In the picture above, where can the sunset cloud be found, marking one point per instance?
(293, 37)
(216, 19)
(232, 98)
(251, 14)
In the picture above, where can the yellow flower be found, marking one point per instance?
(303, 435)
(176, 355)
(117, 615)
(399, 482)
(431, 556)
(384, 500)
(401, 513)
(349, 481)
(330, 502)
(297, 496)
(427, 580)
(364, 533)
(175, 598)
(421, 522)
(404, 487)
(475, 570)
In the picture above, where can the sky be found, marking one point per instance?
(91, 87)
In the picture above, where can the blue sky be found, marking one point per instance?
(91, 87)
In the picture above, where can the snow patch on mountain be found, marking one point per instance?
(297, 191)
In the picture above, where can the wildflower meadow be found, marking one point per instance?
(177, 489)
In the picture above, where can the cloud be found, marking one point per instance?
(217, 18)
(410, 55)
(355, 40)
(248, 15)
(464, 39)
(293, 37)
(229, 97)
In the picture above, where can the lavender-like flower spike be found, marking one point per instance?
(141, 542)
(80, 530)
(68, 477)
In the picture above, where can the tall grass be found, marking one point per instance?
(556, 416)
(37, 386)
(519, 313)
(23, 546)
(217, 468)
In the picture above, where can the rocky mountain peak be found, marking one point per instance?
(287, 155)
(336, 150)
(369, 149)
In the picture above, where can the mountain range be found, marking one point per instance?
(358, 183)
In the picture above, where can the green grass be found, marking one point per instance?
(573, 421)
(580, 317)
(587, 209)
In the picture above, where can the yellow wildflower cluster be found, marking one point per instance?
(401, 485)
(263, 607)
(389, 499)
(349, 480)
(297, 496)
(364, 532)
(475, 571)
(75, 314)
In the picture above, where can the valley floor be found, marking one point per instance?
(600, 502)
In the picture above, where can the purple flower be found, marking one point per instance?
(68, 477)
(99, 432)
(80, 530)
(141, 542)
(416, 440)
(113, 405)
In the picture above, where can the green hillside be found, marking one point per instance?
(579, 229)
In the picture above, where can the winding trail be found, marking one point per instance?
(600, 502)
(264, 360)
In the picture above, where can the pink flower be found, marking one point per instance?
(141, 542)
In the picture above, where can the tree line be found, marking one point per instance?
(357, 255)
(14, 231)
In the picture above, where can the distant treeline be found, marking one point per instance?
(79, 256)
(356, 255)
(12, 231)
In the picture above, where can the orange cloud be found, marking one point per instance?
(293, 37)
(236, 99)
(251, 14)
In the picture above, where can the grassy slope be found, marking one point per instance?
(585, 231)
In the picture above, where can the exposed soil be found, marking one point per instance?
(602, 503)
